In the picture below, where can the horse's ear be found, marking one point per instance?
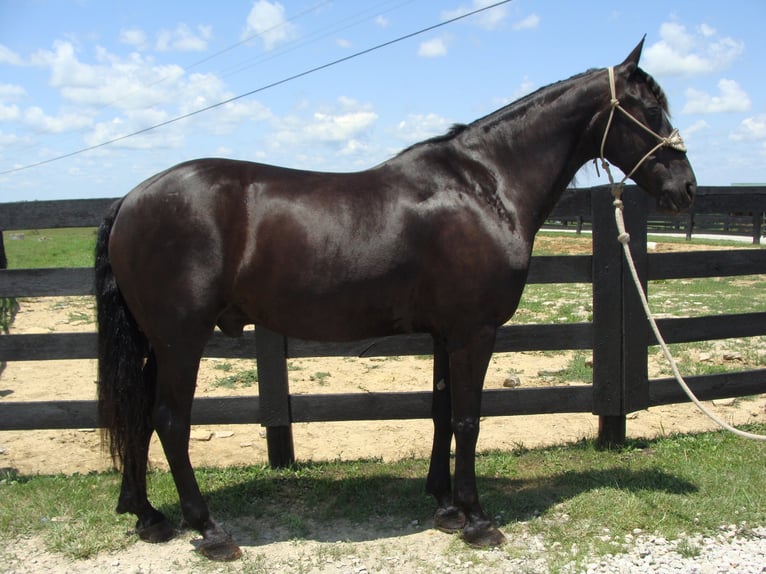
(631, 62)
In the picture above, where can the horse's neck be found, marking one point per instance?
(540, 143)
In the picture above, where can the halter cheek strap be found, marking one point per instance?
(673, 141)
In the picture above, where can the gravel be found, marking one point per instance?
(736, 549)
(733, 549)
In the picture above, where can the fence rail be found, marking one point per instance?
(716, 210)
(619, 334)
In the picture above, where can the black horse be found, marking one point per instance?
(435, 240)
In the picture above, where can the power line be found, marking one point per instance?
(261, 89)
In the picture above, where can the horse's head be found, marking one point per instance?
(639, 139)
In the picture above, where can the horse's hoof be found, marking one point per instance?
(221, 550)
(157, 532)
(450, 519)
(483, 535)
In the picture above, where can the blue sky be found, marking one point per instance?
(76, 73)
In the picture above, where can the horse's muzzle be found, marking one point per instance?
(677, 198)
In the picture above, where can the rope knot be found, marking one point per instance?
(624, 238)
(614, 102)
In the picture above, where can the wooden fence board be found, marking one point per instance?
(710, 327)
(53, 214)
(34, 415)
(708, 387)
(74, 281)
(46, 282)
(383, 405)
(561, 269)
(696, 264)
(47, 346)
(511, 338)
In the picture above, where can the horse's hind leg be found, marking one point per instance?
(448, 518)
(152, 526)
(177, 374)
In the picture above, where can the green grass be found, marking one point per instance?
(568, 495)
(45, 248)
(240, 379)
(8, 308)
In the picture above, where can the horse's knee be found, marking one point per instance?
(466, 427)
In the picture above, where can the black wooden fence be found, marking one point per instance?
(618, 335)
(716, 211)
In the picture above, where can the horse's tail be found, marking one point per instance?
(125, 387)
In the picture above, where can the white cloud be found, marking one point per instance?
(750, 129)
(342, 127)
(417, 127)
(137, 94)
(338, 127)
(731, 98)
(267, 21)
(183, 39)
(38, 119)
(706, 30)
(8, 56)
(433, 48)
(65, 67)
(123, 83)
(529, 23)
(381, 21)
(698, 126)
(9, 113)
(11, 92)
(9, 139)
(343, 43)
(172, 136)
(489, 20)
(683, 53)
(134, 37)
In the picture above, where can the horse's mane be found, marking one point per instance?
(655, 89)
(512, 107)
(500, 114)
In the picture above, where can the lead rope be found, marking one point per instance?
(674, 141)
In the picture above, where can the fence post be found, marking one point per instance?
(620, 377)
(607, 318)
(690, 224)
(274, 396)
(635, 326)
(3, 257)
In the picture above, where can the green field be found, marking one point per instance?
(46, 248)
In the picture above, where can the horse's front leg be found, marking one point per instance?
(448, 517)
(172, 420)
(468, 366)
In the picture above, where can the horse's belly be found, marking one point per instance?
(348, 312)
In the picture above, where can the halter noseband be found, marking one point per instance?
(673, 141)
